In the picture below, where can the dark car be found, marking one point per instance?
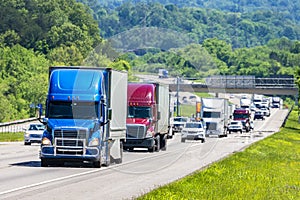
(259, 115)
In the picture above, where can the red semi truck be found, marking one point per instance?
(243, 115)
(148, 116)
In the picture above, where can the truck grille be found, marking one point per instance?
(211, 126)
(136, 131)
(70, 141)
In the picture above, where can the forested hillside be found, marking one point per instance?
(263, 42)
(33, 36)
(291, 8)
(246, 29)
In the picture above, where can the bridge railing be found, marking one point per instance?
(249, 82)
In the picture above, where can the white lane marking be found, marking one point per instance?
(50, 181)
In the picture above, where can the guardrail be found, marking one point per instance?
(15, 126)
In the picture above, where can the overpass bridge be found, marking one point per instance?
(242, 84)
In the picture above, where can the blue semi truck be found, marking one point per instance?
(85, 116)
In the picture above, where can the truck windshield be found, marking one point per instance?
(139, 112)
(73, 110)
(211, 114)
(240, 116)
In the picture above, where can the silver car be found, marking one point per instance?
(33, 134)
(193, 131)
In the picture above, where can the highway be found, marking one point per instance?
(22, 177)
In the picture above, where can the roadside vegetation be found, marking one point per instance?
(268, 169)
(12, 137)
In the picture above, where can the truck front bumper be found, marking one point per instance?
(139, 143)
(64, 154)
(213, 132)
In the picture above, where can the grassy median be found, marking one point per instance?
(11, 137)
(268, 169)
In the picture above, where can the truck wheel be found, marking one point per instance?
(157, 143)
(182, 140)
(151, 149)
(27, 143)
(44, 162)
(97, 164)
(203, 140)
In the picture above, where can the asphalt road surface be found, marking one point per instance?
(22, 177)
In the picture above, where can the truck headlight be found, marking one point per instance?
(149, 134)
(46, 141)
(94, 142)
(26, 134)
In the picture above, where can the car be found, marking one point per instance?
(193, 131)
(235, 126)
(33, 134)
(178, 123)
(265, 111)
(259, 115)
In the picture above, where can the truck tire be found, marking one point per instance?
(151, 149)
(182, 140)
(44, 162)
(157, 143)
(97, 164)
(27, 143)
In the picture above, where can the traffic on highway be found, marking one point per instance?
(154, 150)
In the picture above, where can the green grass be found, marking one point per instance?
(189, 110)
(11, 137)
(268, 169)
(203, 94)
(186, 110)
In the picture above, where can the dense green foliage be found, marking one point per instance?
(269, 169)
(278, 57)
(202, 42)
(289, 8)
(240, 29)
(33, 36)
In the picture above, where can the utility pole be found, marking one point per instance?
(177, 103)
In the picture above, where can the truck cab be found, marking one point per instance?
(215, 114)
(85, 116)
(243, 115)
(148, 111)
